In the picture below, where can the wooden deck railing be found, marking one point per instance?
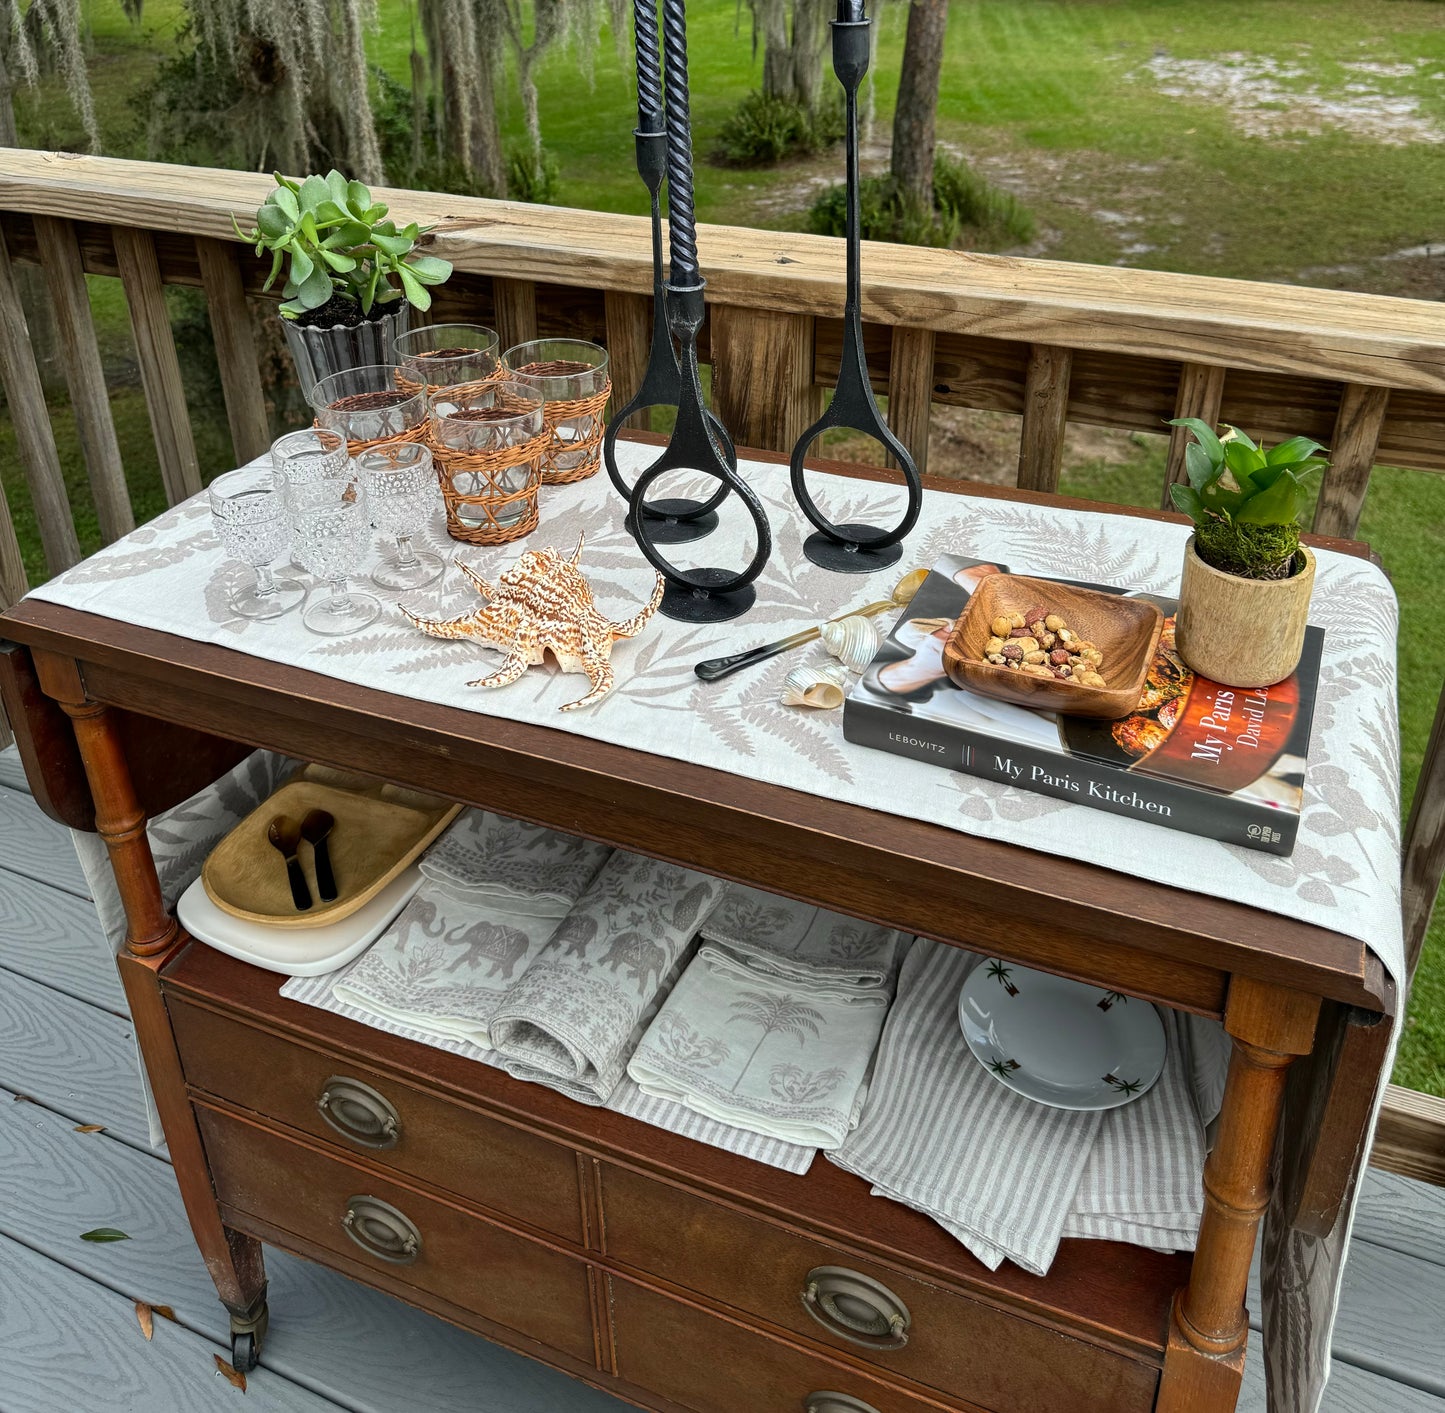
(1054, 343)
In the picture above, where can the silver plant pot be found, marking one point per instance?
(319, 352)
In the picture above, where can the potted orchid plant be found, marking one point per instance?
(350, 274)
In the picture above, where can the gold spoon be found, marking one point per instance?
(718, 667)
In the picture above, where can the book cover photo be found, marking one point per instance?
(1224, 762)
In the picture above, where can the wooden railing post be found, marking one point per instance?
(84, 376)
(160, 369)
(910, 390)
(1358, 425)
(629, 340)
(1201, 391)
(762, 375)
(33, 433)
(235, 348)
(514, 306)
(1046, 409)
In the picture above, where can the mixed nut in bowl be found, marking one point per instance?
(1054, 646)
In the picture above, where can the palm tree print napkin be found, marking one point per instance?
(795, 939)
(762, 1049)
(573, 1019)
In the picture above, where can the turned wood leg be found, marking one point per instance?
(1204, 1361)
(233, 1260)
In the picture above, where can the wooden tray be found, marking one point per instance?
(380, 830)
(1125, 630)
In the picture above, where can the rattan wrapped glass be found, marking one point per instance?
(571, 375)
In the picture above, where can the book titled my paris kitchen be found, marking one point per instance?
(1224, 762)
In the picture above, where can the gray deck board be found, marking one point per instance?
(54, 938)
(12, 773)
(1405, 1215)
(34, 844)
(1350, 1390)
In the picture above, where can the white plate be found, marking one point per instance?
(1059, 1042)
(296, 951)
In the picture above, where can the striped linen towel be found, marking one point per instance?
(803, 942)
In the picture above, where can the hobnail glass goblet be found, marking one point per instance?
(249, 514)
(365, 405)
(331, 538)
(564, 370)
(447, 356)
(401, 486)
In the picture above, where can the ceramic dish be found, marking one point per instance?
(1125, 630)
(1059, 1042)
(296, 951)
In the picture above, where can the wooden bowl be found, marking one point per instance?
(1125, 630)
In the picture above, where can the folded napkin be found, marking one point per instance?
(940, 1134)
(507, 859)
(578, 1011)
(799, 940)
(761, 1050)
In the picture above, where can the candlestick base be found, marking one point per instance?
(850, 557)
(675, 522)
(693, 602)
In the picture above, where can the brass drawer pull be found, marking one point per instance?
(356, 1111)
(824, 1402)
(856, 1308)
(381, 1231)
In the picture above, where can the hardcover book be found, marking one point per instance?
(1224, 762)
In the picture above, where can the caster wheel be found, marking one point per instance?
(245, 1352)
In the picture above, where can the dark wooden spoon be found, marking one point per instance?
(285, 836)
(314, 828)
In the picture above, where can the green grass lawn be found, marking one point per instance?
(1062, 102)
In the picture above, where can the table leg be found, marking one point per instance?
(1204, 1361)
(233, 1259)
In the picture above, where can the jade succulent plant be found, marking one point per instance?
(1244, 500)
(338, 247)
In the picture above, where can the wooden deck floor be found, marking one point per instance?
(69, 1340)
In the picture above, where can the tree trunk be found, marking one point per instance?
(772, 17)
(810, 34)
(915, 133)
(486, 158)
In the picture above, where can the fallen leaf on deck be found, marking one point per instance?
(104, 1234)
(234, 1377)
(21, 1099)
(89, 1128)
(165, 1312)
(144, 1316)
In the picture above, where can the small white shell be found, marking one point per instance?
(853, 640)
(822, 686)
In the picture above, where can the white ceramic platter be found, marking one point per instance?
(296, 951)
(1059, 1042)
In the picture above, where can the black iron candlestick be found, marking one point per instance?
(854, 549)
(696, 595)
(676, 520)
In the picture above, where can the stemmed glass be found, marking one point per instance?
(249, 514)
(308, 455)
(331, 536)
(447, 356)
(401, 485)
(366, 406)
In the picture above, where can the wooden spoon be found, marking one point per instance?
(285, 836)
(718, 667)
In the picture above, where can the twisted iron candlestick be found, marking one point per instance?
(854, 549)
(672, 521)
(695, 595)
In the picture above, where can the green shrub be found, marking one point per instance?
(528, 180)
(966, 209)
(763, 130)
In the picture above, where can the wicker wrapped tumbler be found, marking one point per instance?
(447, 356)
(571, 376)
(488, 443)
(366, 406)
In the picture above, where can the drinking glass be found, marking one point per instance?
(563, 371)
(447, 356)
(249, 514)
(491, 421)
(366, 406)
(309, 455)
(331, 537)
(401, 486)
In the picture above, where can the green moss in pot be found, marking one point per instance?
(1244, 595)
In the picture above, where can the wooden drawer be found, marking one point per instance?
(712, 1365)
(433, 1246)
(490, 1163)
(964, 1347)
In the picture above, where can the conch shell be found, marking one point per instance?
(853, 640)
(822, 686)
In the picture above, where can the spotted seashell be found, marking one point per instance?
(822, 686)
(853, 640)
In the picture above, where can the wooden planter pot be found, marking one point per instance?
(1242, 632)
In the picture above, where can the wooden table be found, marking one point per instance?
(672, 1274)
